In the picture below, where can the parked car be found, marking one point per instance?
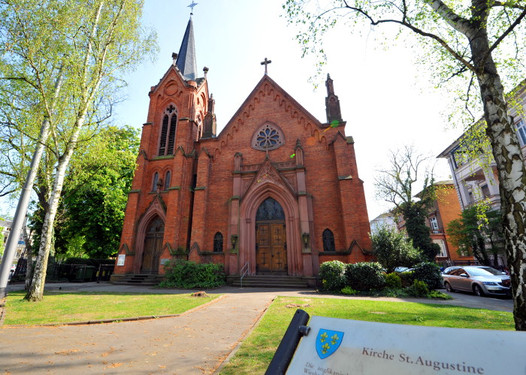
(481, 280)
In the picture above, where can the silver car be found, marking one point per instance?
(480, 280)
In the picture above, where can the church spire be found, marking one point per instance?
(186, 61)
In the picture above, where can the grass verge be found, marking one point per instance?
(74, 307)
(258, 349)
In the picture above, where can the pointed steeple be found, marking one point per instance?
(186, 61)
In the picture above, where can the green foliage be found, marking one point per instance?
(429, 273)
(332, 275)
(418, 289)
(91, 211)
(392, 249)
(407, 278)
(478, 231)
(393, 281)
(190, 275)
(95, 199)
(364, 276)
(348, 291)
(415, 214)
(436, 294)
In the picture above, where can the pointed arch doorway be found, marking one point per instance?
(271, 238)
(153, 241)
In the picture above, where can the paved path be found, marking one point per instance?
(196, 342)
(193, 343)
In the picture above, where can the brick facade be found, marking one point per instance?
(217, 183)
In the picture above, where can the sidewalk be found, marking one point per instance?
(196, 342)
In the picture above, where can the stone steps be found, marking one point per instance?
(272, 281)
(136, 279)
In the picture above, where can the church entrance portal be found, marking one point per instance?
(152, 246)
(271, 239)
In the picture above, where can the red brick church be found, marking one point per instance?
(275, 192)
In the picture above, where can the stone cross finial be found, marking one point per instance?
(266, 62)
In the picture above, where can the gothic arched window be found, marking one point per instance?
(168, 128)
(328, 240)
(218, 243)
(167, 178)
(270, 209)
(155, 181)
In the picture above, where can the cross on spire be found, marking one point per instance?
(266, 62)
(191, 6)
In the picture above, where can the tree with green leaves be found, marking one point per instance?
(393, 249)
(479, 43)
(395, 185)
(93, 203)
(478, 231)
(84, 45)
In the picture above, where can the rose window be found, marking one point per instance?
(269, 137)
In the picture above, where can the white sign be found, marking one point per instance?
(345, 347)
(120, 259)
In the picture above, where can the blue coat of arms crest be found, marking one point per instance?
(327, 342)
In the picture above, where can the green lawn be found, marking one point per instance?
(73, 307)
(257, 350)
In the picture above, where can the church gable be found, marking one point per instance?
(268, 174)
(268, 119)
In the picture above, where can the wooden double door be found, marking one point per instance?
(271, 247)
(153, 242)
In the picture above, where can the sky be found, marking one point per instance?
(387, 102)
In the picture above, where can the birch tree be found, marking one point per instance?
(93, 42)
(479, 41)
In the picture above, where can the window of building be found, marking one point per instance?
(168, 128)
(155, 181)
(433, 222)
(218, 243)
(268, 137)
(485, 191)
(167, 178)
(328, 240)
(521, 131)
(443, 250)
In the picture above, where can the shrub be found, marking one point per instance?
(348, 291)
(365, 276)
(407, 278)
(393, 249)
(418, 289)
(332, 275)
(393, 281)
(429, 273)
(189, 275)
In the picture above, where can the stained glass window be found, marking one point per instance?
(269, 137)
(328, 240)
(270, 209)
(218, 242)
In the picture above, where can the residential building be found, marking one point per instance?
(476, 178)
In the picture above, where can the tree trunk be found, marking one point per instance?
(29, 262)
(511, 170)
(36, 292)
